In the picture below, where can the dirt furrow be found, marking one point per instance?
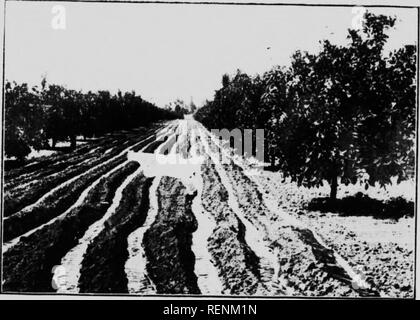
(72, 261)
(138, 279)
(237, 262)
(29, 263)
(19, 198)
(170, 261)
(74, 258)
(102, 268)
(320, 271)
(165, 238)
(267, 259)
(205, 269)
(57, 200)
(61, 159)
(79, 201)
(238, 265)
(254, 236)
(50, 207)
(40, 164)
(342, 279)
(207, 274)
(100, 148)
(58, 162)
(82, 198)
(27, 179)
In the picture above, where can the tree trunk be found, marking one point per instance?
(53, 142)
(334, 185)
(20, 159)
(73, 142)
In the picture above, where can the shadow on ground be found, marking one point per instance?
(362, 205)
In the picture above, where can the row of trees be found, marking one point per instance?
(344, 114)
(33, 116)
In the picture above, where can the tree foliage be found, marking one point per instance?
(33, 116)
(181, 108)
(346, 113)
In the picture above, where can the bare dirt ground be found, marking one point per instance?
(111, 218)
(382, 250)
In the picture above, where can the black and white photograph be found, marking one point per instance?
(212, 149)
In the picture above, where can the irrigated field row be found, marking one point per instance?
(51, 241)
(19, 197)
(60, 198)
(32, 272)
(120, 226)
(103, 263)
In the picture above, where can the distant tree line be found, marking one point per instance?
(344, 114)
(36, 115)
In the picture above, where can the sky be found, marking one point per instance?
(168, 51)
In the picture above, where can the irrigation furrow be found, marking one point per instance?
(268, 260)
(19, 201)
(235, 260)
(74, 160)
(337, 267)
(165, 239)
(79, 201)
(55, 162)
(72, 261)
(32, 272)
(103, 263)
(207, 275)
(51, 161)
(18, 198)
(167, 243)
(69, 181)
(26, 180)
(139, 281)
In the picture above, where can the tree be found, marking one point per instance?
(24, 125)
(193, 107)
(345, 114)
(60, 114)
(274, 108)
(387, 100)
(345, 123)
(56, 128)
